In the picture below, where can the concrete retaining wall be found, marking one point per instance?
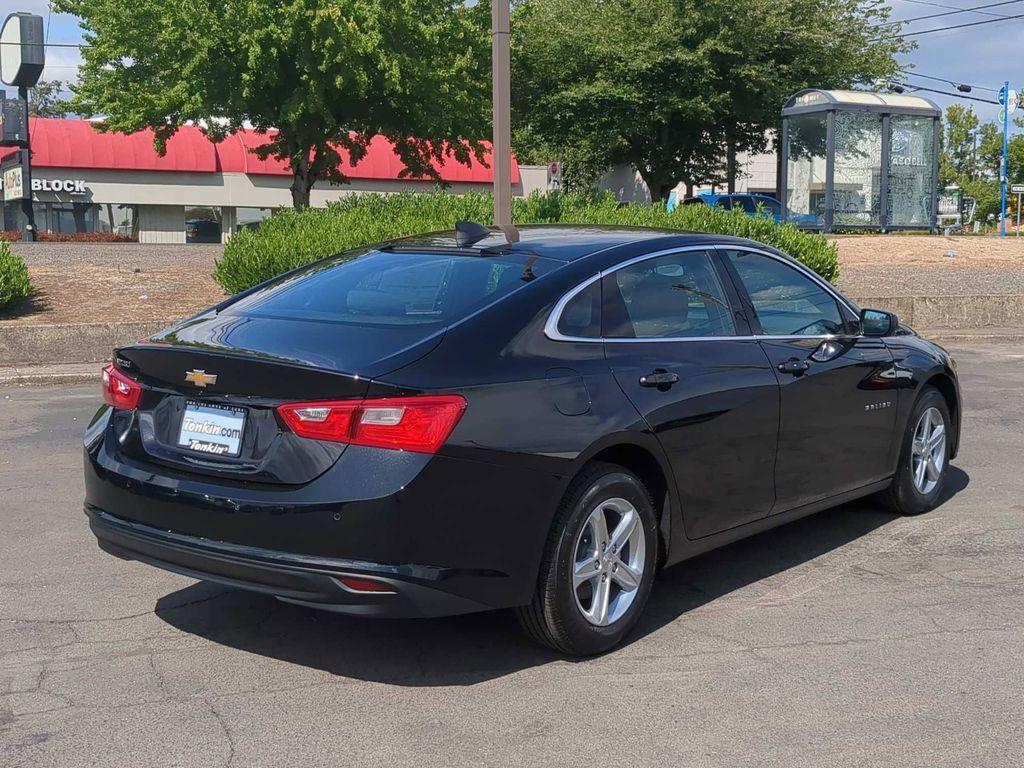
(76, 343)
(958, 312)
(93, 342)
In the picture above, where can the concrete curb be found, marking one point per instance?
(39, 375)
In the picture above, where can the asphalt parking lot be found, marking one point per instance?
(852, 638)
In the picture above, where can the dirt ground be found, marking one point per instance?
(865, 250)
(98, 291)
(92, 283)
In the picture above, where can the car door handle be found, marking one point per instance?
(659, 378)
(794, 366)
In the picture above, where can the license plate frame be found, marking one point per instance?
(212, 429)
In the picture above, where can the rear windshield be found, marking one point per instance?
(394, 288)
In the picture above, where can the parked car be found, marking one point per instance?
(747, 203)
(750, 204)
(452, 423)
(202, 231)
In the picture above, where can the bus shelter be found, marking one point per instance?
(860, 160)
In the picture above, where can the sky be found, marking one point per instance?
(984, 56)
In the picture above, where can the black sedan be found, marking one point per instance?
(454, 423)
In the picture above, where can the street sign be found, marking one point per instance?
(1003, 95)
(1017, 189)
(1001, 117)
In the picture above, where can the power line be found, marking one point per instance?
(975, 9)
(947, 93)
(52, 45)
(951, 81)
(952, 8)
(956, 26)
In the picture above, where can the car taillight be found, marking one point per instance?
(119, 390)
(419, 424)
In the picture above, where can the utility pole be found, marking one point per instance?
(1004, 97)
(501, 95)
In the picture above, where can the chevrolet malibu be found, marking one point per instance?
(455, 422)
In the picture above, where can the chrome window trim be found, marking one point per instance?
(551, 325)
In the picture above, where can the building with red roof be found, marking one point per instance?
(84, 180)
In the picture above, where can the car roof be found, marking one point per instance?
(562, 242)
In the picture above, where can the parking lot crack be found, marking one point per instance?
(229, 760)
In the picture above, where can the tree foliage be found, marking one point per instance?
(971, 156)
(327, 75)
(44, 99)
(673, 87)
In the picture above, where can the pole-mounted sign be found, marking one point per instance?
(22, 55)
(14, 173)
(22, 58)
(13, 122)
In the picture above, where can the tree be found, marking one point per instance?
(958, 161)
(321, 77)
(676, 88)
(44, 99)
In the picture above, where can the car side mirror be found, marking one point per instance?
(878, 322)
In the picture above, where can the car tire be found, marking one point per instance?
(919, 483)
(573, 611)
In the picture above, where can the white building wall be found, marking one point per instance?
(758, 173)
(161, 224)
(626, 184)
(532, 178)
(239, 189)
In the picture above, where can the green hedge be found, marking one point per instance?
(15, 285)
(293, 238)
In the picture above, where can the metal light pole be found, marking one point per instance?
(501, 94)
(28, 234)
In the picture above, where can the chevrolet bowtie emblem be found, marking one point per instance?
(200, 378)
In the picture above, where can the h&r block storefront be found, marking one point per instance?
(84, 181)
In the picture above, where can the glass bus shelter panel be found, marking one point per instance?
(911, 171)
(805, 170)
(857, 175)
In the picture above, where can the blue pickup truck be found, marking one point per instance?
(745, 202)
(749, 204)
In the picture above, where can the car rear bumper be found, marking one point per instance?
(417, 591)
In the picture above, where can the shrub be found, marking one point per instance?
(15, 285)
(293, 238)
(14, 235)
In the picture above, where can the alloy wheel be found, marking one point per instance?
(608, 562)
(928, 453)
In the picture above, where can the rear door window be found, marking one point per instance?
(674, 296)
(395, 288)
